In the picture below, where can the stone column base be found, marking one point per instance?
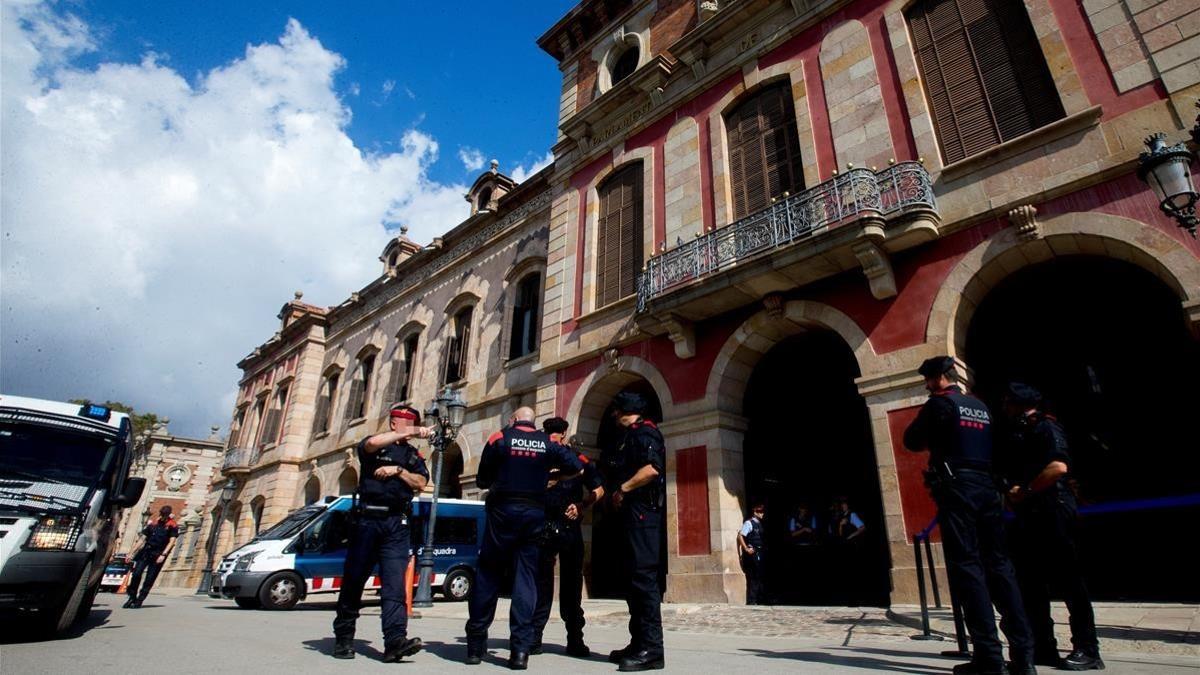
(707, 587)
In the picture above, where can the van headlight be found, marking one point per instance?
(243, 563)
(54, 533)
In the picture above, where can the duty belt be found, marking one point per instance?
(383, 511)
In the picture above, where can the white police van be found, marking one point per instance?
(63, 480)
(305, 553)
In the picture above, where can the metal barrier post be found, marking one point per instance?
(960, 630)
(926, 634)
(937, 594)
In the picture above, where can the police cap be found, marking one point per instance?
(629, 402)
(936, 367)
(1023, 395)
(555, 425)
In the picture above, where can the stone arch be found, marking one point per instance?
(597, 389)
(347, 481)
(312, 490)
(1076, 233)
(735, 362)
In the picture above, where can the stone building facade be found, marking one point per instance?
(764, 215)
(179, 472)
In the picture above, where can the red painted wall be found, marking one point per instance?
(691, 483)
(918, 506)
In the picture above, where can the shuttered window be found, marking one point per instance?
(619, 241)
(525, 316)
(271, 428)
(402, 370)
(458, 347)
(983, 71)
(325, 405)
(764, 150)
(360, 387)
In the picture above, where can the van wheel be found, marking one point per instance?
(85, 607)
(280, 591)
(58, 619)
(248, 603)
(458, 585)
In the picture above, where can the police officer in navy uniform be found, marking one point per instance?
(637, 468)
(752, 544)
(957, 431)
(514, 467)
(566, 498)
(1037, 463)
(393, 472)
(158, 539)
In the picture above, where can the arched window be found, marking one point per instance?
(524, 335)
(312, 491)
(252, 429)
(764, 149)
(619, 240)
(485, 198)
(325, 403)
(404, 369)
(256, 513)
(625, 64)
(271, 427)
(458, 346)
(983, 71)
(347, 482)
(358, 402)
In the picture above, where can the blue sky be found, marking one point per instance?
(173, 172)
(469, 73)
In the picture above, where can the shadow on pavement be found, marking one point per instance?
(361, 647)
(18, 629)
(850, 661)
(1141, 634)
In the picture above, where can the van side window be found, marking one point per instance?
(330, 532)
(450, 530)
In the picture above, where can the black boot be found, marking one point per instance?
(536, 648)
(397, 650)
(129, 602)
(1047, 658)
(1026, 668)
(973, 668)
(616, 655)
(518, 661)
(475, 654)
(1082, 660)
(344, 648)
(576, 648)
(641, 660)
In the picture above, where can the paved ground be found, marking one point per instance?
(201, 635)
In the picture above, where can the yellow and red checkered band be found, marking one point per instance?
(405, 414)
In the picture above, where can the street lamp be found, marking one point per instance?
(1168, 172)
(448, 409)
(227, 492)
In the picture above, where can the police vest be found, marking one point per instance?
(570, 490)
(967, 441)
(517, 461)
(391, 492)
(158, 533)
(756, 539)
(643, 445)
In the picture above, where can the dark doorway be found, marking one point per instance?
(607, 578)
(809, 442)
(1106, 343)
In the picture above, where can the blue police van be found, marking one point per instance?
(305, 553)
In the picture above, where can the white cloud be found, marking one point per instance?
(471, 158)
(153, 227)
(388, 87)
(521, 173)
(355, 89)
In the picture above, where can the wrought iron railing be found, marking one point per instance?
(856, 192)
(239, 458)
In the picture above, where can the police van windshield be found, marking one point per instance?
(51, 465)
(293, 523)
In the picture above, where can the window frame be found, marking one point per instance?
(638, 234)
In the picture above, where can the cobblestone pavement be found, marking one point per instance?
(833, 625)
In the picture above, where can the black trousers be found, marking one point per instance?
(145, 571)
(971, 519)
(510, 539)
(754, 569)
(1047, 562)
(643, 537)
(568, 549)
(383, 541)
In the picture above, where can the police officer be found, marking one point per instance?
(752, 545)
(515, 467)
(956, 429)
(637, 468)
(157, 540)
(392, 473)
(1037, 463)
(566, 498)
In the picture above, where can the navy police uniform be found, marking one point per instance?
(515, 467)
(957, 431)
(754, 564)
(379, 534)
(564, 540)
(1043, 533)
(157, 533)
(643, 515)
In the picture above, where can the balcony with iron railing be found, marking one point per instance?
(854, 220)
(239, 460)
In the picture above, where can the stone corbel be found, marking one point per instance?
(683, 334)
(699, 60)
(773, 303)
(656, 96)
(708, 8)
(1025, 219)
(878, 268)
(612, 359)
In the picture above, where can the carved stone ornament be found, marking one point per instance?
(176, 476)
(773, 303)
(708, 8)
(612, 359)
(1024, 217)
(682, 334)
(877, 268)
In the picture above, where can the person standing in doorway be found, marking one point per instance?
(1038, 462)
(154, 544)
(752, 545)
(956, 429)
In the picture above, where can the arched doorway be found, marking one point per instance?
(1106, 342)
(312, 490)
(808, 441)
(347, 481)
(450, 485)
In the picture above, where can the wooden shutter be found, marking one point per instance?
(619, 245)
(464, 341)
(354, 400)
(321, 419)
(270, 427)
(983, 72)
(764, 150)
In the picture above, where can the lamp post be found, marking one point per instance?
(1167, 169)
(448, 409)
(227, 491)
